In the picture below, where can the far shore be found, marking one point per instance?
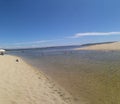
(102, 47)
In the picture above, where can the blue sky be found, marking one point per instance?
(39, 23)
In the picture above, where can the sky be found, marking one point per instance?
(41, 23)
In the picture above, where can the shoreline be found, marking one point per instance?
(86, 75)
(22, 83)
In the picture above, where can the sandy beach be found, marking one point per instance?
(106, 47)
(22, 84)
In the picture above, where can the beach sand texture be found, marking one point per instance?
(107, 47)
(21, 84)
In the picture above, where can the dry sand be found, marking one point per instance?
(107, 47)
(22, 84)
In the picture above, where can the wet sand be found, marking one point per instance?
(22, 84)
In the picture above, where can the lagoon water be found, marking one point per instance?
(92, 77)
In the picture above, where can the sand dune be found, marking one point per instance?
(108, 46)
(21, 84)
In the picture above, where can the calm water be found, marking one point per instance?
(90, 76)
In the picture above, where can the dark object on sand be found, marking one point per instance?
(2, 52)
(17, 60)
